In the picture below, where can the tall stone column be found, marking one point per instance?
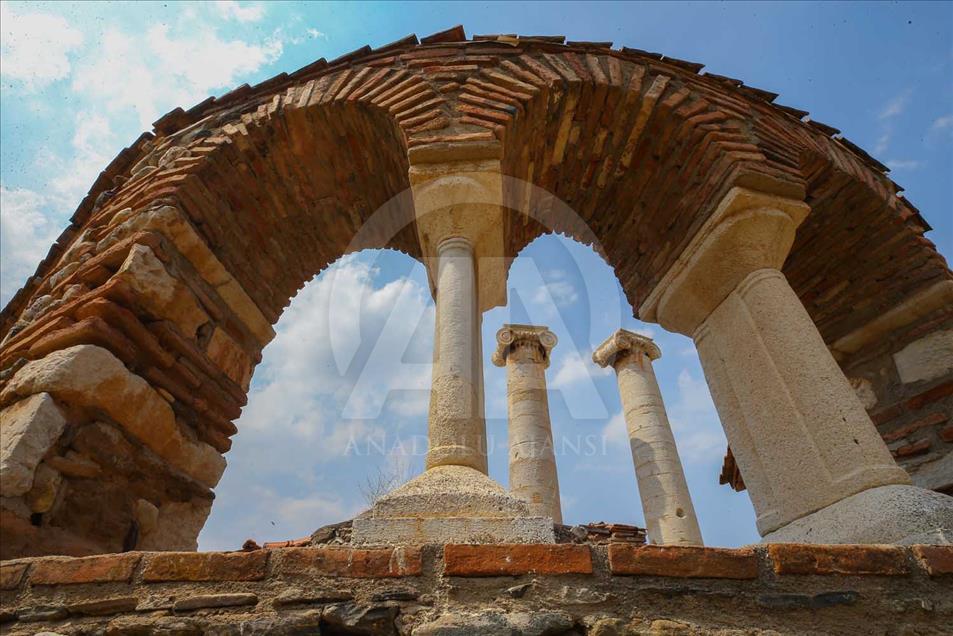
(457, 195)
(524, 351)
(457, 432)
(814, 465)
(667, 505)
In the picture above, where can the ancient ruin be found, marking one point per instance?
(822, 316)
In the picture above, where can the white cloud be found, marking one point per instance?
(35, 48)
(575, 368)
(232, 10)
(941, 124)
(695, 422)
(896, 105)
(904, 164)
(556, 290)
(317, 35)
(883, 142)
(155, 73)
(26, 233)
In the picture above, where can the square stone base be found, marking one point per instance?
(450, 504)
(411, 531)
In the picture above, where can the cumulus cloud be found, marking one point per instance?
(556, 290)
(904, 164)
(895, 106)
(152, 74)
(26, 233)
(232, 10)
(695, 422)
(35, 48)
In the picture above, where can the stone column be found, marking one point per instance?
(458, 196)
(666, 502)
(524, 351)
(457, 432)
(814, 465)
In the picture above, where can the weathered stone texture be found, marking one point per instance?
(28, 428)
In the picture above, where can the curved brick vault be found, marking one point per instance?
(193, 240)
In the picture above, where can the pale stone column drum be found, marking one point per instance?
(456, 427)
(814, 465)
(524, 351)
(666, 502)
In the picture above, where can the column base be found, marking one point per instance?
(450, 504)
(902, 515)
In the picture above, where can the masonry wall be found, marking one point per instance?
(463, 589)
(906, 383)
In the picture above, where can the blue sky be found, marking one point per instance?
(81, 81)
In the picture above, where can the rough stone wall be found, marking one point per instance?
(503, 589)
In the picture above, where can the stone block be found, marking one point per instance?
(104, 607)
(206, 566)
(881, 560)
(29, 428)
(11, 574)
(683, 561)
(349, 562)
(230, 358)
(176, 525)
(90, 376)
(925, 359)
(207, 601)
(159, 293)
(935, 559)
(107, 568)
(516, 559)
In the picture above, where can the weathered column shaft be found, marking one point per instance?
(532, 460)
(666, 502)
(813, 463)
(456, 426)
(792, 420)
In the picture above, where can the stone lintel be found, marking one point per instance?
(621, 342)
(511, 335)
(748, 231)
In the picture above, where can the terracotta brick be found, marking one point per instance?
(916, 448)
(946, 433)
(515, 559)
(935, 559)
(930, 420)
(683, 561)
(791, 558)
(348, 562)
(11, 574)
(206, 566)
(106, 568)
(930, 396)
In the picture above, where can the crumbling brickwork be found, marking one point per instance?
(501, 589)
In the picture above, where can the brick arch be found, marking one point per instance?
(193, 240)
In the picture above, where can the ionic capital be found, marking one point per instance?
(620, 344)
(748, 231)
(511, 336)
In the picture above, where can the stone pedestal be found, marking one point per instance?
(459, 222)
(524, 351)
(804, 443)
(667, 505)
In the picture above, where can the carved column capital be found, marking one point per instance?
(620, 344)
(748, 231)
(510, 337)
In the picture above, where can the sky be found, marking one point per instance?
(341, 395)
